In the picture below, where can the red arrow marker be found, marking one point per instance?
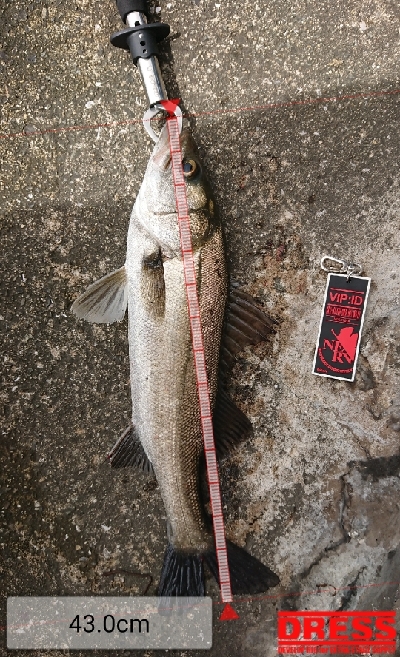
(170, 105)
(228, 613)
(199, 359)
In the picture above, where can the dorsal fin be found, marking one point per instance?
(245, 324)
(231, 425)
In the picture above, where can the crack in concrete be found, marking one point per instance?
(345, 500)
(350, 592)
(379, 468)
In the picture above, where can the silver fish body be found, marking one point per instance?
(165, 408)
(166, 432)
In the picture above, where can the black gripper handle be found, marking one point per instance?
(125, 7)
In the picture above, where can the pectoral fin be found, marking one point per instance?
(153, 284)
(105, 300)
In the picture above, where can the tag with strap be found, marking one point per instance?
(342, 319)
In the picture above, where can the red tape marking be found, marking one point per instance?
(199, 362)
(216, 112)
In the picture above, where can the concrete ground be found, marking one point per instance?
(316, 492)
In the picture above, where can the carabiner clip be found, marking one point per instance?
(334, 268)
(341, 267)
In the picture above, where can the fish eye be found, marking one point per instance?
(189, 168)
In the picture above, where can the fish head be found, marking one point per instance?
(156, 203)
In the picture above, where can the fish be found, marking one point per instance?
(165, 435)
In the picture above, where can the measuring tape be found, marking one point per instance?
(173, 125)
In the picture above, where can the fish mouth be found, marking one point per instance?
(207, 209)
(203, 209)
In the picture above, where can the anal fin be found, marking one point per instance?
(128, 451)
(105, 301)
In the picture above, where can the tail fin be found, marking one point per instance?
(248, 574)
(182, 574)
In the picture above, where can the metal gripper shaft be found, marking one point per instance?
(149, 69)
(141, 38)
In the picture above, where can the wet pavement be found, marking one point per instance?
(296, 113)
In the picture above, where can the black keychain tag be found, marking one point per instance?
(342, 319)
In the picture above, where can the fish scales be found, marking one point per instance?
(164, 393)
(166, 434)
(165, 409)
